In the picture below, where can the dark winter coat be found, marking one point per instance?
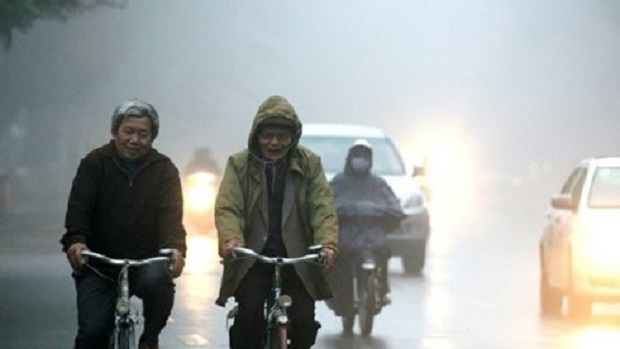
(124, 217)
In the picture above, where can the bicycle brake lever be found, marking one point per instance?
(315, 249)
(167, 252)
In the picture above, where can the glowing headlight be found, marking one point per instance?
(200, 191)
(596, 245)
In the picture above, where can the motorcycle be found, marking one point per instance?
(359, 279)
(368, 293)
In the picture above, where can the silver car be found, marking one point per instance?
(580, 243)
(332, 142)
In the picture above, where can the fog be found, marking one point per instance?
(523, 85)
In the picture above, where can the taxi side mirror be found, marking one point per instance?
(418, 171)
(563, 202)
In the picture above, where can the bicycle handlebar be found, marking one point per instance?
(85, 255)
(242, 251)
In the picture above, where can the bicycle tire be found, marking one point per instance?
(276, 338)
(367, 306)
(125, 337)
(281, 337)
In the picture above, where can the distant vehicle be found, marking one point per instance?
(580, 243)
(332, 142)
(201, 180)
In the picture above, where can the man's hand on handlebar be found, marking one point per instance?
(178, 263)
(226, 250)
(73, 254)
(329, 257)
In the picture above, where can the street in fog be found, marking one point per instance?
(479, 290)
(499, 98)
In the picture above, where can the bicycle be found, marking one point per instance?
(276, 332)
(126, 313)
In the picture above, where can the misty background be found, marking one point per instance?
(527, 87)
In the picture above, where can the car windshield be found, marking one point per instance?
(605, 192)
(333, 151)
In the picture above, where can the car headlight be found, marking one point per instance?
(596, 246)
(412, 201)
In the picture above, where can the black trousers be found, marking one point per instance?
(96, 301)
(249, 326)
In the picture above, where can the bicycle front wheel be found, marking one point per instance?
(277, 338)
(282, 337)
(125, 337)
(367, 305)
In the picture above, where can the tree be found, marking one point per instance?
(21, 14)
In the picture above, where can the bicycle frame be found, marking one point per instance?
(276, 333)
(126, 315)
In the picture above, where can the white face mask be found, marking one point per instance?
(360, 164)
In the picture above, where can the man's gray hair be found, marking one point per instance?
(135, 108)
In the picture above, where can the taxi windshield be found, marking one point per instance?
(605, 192)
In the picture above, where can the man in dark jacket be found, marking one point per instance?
(125, 202)
(367, 209)
(274, 199)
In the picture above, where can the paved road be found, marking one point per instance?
(479, 290)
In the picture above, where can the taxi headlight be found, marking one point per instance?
(413, 201)
(596, 246)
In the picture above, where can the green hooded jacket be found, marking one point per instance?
(308, 216)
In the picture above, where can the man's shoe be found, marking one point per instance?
(144, 345)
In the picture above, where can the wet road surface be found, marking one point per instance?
(479, 290)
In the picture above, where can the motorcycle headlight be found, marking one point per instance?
(200, 191)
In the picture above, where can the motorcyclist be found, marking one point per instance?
(367, 209)
(203, 161)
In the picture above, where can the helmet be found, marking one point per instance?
(359, 159)
(361, 142)
(135, 107)
(361, 146)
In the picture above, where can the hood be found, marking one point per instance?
(273, 107)
(360, 143)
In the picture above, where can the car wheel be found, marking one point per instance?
(550, 297)
(414, 263)
(579, 307)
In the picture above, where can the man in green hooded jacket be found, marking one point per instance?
(274, 198)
